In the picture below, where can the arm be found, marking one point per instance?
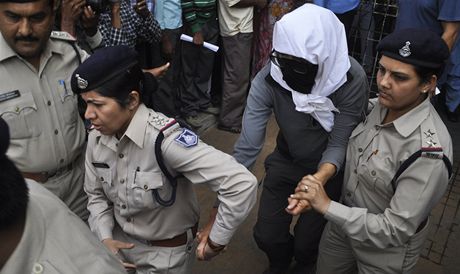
(450, 33)
(110, 27)
(256, 115)
(236, 187)
(146, 26)
(352, 103)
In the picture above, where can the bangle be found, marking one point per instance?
(215, 247)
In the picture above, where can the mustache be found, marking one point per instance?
(28, 38)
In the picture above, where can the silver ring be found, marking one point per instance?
(305, 188)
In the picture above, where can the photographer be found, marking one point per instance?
(123, 24)
(79, 18)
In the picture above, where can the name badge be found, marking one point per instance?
(100, 165)
(9, 95)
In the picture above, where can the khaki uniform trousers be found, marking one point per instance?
(340, 254)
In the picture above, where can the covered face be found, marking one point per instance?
(310, 51)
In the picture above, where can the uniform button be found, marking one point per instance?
(56, 132)
(123, 206)
(373, 172)
(102, 179)
(121, 155)
(122, 181)
(355, 171)
(49, 103)
(348, 194)
(37, 268)
(128, 219)
(146, 187)
(360, 149)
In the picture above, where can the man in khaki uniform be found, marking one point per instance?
(47, 135)
(38, 232)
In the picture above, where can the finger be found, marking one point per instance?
(200, 251)
(129, 265)
(123, 245)
(292, 203)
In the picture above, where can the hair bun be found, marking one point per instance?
(4, 137)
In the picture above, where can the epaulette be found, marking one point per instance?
(62, 35)
(163, 123)
(430, 147)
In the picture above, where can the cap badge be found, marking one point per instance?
(405, 51)
(81, 83)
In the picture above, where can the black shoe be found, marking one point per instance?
(451, 116)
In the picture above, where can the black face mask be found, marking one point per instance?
(299, 76)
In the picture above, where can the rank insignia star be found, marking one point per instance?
(429, 134)
(431, 143)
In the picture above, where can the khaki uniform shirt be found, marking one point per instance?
(40, 107)
(55, 241)
(122, 173)
(372, 213)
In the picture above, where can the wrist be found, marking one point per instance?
(215, 247)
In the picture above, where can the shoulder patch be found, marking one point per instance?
(187, 138)
(62, 35)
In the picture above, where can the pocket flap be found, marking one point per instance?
(148, 180)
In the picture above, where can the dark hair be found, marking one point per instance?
(14, 193)
(120, 87)
(425, 73)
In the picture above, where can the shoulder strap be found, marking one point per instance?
(411, 160)
(171, 179)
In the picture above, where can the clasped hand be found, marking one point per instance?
(309, 193)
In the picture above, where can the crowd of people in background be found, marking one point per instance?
(100, 102)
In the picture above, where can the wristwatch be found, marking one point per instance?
(215, 247)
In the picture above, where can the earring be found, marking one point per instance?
(424, 91)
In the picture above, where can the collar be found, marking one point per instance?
(410, 121)
(135, 131)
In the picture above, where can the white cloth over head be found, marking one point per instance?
(316, 35)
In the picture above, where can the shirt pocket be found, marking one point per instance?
(22, 117)
(68, 99)
(144, 186)
(376, 174)
(104, 176)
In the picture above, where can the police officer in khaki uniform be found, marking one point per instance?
(398, 166)
(47, 135)
(38, 233)
(137, 207)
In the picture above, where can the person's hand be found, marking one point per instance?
(158, 72)
(141, 8)
(72, 9)
(203, 251)
(114, 246)
(198, 38)
(311, 190)
(89, 20)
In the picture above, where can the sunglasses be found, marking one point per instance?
(297, 64)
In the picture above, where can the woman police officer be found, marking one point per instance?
(137, 208)
(397, 166)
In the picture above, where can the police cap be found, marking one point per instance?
(102, 66)
(419, 47)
